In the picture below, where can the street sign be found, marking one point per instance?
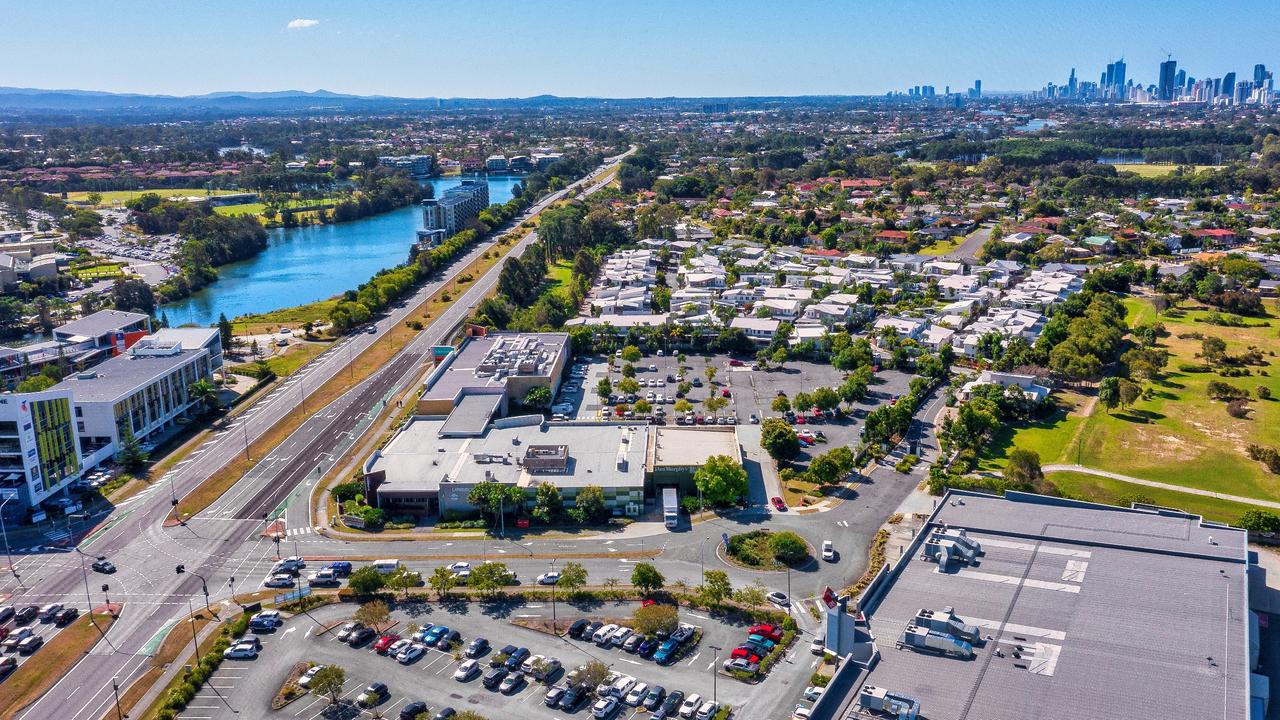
(829, 598)
(724, 537)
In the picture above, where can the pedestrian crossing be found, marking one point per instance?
(294, 532)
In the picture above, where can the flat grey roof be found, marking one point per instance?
(1120, 613)
(418, 460)
(100, 323)
(121, 375)
(190, 337)
(676, 446)
(471, 415)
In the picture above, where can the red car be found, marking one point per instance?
(771, 632)
(745, 654)
(724, 392)
(778, 503)
(800, 420)
(735, 363)
(384, 642)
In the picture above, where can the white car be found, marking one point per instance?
(410, 653)
(800, 713)
(243, 651)
(462, 576)
(813, 692)
(459, 566)
(604, 707)
(707, 711)
(305, 681)
(690, 705)
(549, 578)
(603, 635)
(828, 551)
(467, 669)
(637, 694)
(279, 581)
(620, 635)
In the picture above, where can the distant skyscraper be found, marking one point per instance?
(1168, 70)
(977, 88)
(1229, 84)
(1109, 77)
(1259, 74)
(1120, 69)
(1071, 84)
(1180, 80)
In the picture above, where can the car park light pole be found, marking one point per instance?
(715, 674)
(553, 600)
(115, 688)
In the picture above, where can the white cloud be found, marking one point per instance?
(302, 24)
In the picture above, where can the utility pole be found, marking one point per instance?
(715, 674)
(702, 559)
(115, 688)
(553, 601)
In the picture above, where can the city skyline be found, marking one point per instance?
(494, 50)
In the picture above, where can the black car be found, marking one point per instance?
(447, 640)
(494, 677)
(653, 698)
(573, 698)
(6, 612)
(672, 703)
(754, 648)
(445, 714)
(103, 566)
(682, 633)
(516, 658)
(477, 647)
(26, 614)
(648, 647)
(413, 710)
(361, 636)
(65, 616)
(575, 630)
(592, 628)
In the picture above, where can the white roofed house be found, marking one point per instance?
(780, 309)
(621, 300)
(803, 333)
(937, 336)
(943, 267)
(1008, 322)
(905, 327)
(758, 329)
(953, 287)
(827, 314)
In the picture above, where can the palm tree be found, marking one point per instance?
(205, 392)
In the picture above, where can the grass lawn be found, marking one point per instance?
(1116, 492)
(119, 197)
(1177, 436)
(1149, 171)
(293, 317)
(942, 247)
(35, 678)
(296, 356)
(98, 272)
(560, 276)
(241, 209)
(1051, 437)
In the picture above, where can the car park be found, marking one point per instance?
(373, 694)
(466, 670)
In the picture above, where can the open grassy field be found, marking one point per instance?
(942, 247)
(241, 209)
(119, 197)
(292, 317)
(1116, 492)
(297, 355)
(1178, 435)
(560, 276)
(1149, 171)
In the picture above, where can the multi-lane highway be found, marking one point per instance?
(210, 545)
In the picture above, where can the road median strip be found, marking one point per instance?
(48, 665)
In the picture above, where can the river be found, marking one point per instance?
(305, 264)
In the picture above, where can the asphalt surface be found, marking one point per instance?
(147, 553)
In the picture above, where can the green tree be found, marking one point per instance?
(1109, 392)
(656, 618)
(647, 578)
(1024, 467)
(494, 497)
(205, 393)
(36, 383)
(1260, 521)
(604, 388)
(131, 455)
(751, 595)
(548, 505)
(715, 586)
(721, 479)
(537, 397)
(94, 198)
(710, 372)
(788, 547)
(442, 581)
(594, 673)
(1129, 392)
(590, 502)
(572, 576)
(328, 682)
(225, 333)
(781, 404)
(715, 404)
(631, 354)
(779, 439)
(803, 402)
(683, 406)
(401, 580)
(488, 578)
(780, 356)
(366, 580)
(373, 614)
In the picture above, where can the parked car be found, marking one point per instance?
(819, 645)
(653, 698)
(413, 710)
(30, 644)
(516, 659)
(445, 714)
(573, 698)
(682, 633)
(372, 695)
(433, 635)
(410, 653)
(812, 693)
(648, 646)
(384, 643)
(494, 677)
(604, 707)
(707, 711)
(620, 636)
(240, 651)
(344, 632)
(741, 665)
(778, 503)
(690, 705)
(360, 636)
(778, 598)
(6, 613)
(323, 578)
(575, 630)
(632, 643)
(549, 578)
(772, 632)
(65, 616)
(666, 652)
(603, 635)
(304, 681)
(553, 696)
(762, 641)
(636, 694)
(747, 654)
(466, 669)
(511, 683)
(7, 665)
(477, 647)
(447, 640)
(15, 637)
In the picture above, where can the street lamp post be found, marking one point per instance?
(715, 674)
(702, 558)
(553, 601)
(195, 647)
(85, 574)
(115, 688)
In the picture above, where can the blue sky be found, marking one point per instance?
(479, 48)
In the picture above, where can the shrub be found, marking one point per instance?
(1238, 409)
(1263, 392)
(1222, 391)
(343, 492)
(788, 547)
(1194, 368)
